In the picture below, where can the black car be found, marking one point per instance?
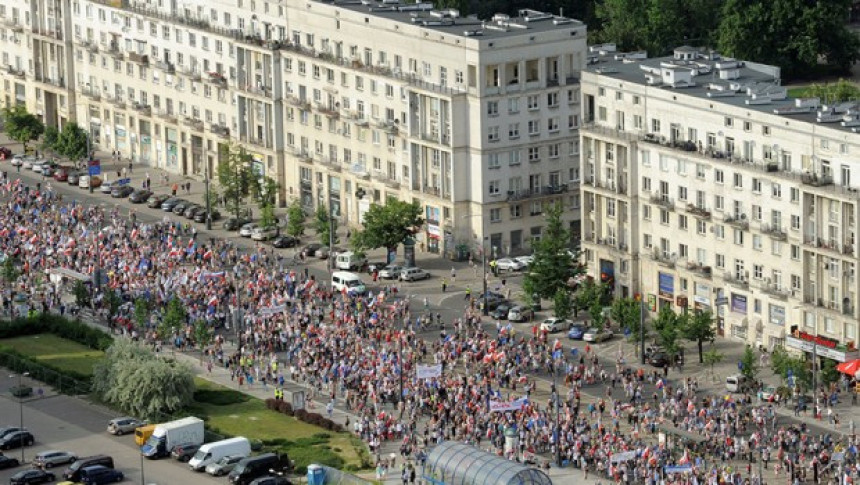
(34, 475)
(311, 249)
(200, 216)
(155, 201)
(16, 439)
(233, 224)
(170, 203)
(501, 312)
(139, 196)
(184, 453)
(272, 480)
(192, 210)
(658, 359)
(285, 242)
(180, 207)
(121, 192)
(7, 462)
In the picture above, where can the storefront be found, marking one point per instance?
(739, 328)
(821, 346)
(434, 233)
(665, 289)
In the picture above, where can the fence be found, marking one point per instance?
(64, 384)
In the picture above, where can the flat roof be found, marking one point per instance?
(450, 22)
(733, 82)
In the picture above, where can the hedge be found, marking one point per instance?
(73, 330)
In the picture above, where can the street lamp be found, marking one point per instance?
(142, 480)
(483, 263)
(21, 376)
(556, 399)
(208, 202)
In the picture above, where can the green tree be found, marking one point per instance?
(749, 364)
(72, 142)
(142, 384)
(628, 313)
(562, 304)
(624, 23)
(782, 363)
(668, 326)
(295, 219)
(798, 34)
(82, 294)
(21, 125)
(553, 264)
(50, 138)
(202, 335)
(828, 373)
(173, 320)
(112, 301)
(698, 327)
(387, 226)
(142, 312)
(838, 92)
(323, 223)
(266, 191)
(711, 358)
(236, 177)
(10, 273)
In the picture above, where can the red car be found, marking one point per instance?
(5, 153)
(62, 173)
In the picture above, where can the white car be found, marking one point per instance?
(413, 274)
(17, 160)
(29, 162)
(595, 335)
(508, 264)
(390, 272)
(526, 261)
(264, 233)
(38, 166)
(52, 458)
(554, 324)
(224, 465)
(248, 229)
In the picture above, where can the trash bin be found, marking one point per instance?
(316, 475)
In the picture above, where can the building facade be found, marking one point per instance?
(705, 187)
(344, 103)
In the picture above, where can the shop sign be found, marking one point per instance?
(666, 285)
(821, 350)
(739, 303)
(776, 314)
(702, 294)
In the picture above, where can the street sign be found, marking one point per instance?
(721, 301)
(95, 167)
(124, 181)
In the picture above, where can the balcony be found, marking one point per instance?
(613, 244)
(390, 126)
(545, 191)
(298, 102)
(329, 111)
(259, 142)
(58, 82)
(434, 137)
(699, 212)
(193, 123)
(816, 180)
(740, 283)
(117, 102)
(392, 183)
(167, 116)
(114, 50)
(740, 221)
(260, 91)
(775, 232)
(663, 259)
(700, 269)
(830, 245)
(217, 79)
(610, 187)
(663, 201)
(13, 24)
(91, 93)
(167, 67)
(332, 163)
(15, 72)
(220, 130)
(45, 33)
(142, 109)
(138, 58)
(359, 171)
(775, 291)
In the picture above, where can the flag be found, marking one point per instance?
(213, 301)
(207, 254)
(660, 384)
(134, 233)
(34, 239)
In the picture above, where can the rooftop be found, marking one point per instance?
(450, 22)
(706, 74)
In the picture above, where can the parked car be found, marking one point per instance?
(526, 261)
(261, 233)
(658, 359)
(108, 186)
(768, 394)
(311, 249)
(200, 216)
(180, 206)
(155, 201)
(597, 335)
(170, 203)
(285, 241)
(98, 475)
(85, 181)
(121, 192)
(493, 300)
(185, 452)
(123, 425)
(223, 466)
(52, 458)
(29, 162)
(8, 462)
(508, 264)
(45, 168)
(390, 272)
(520, 314)
(324, 252)
(16, 439)
(233, 223)
(413, 274)
(17, 160)
(577, 331)
(554, 324)
(501, 312)
(248, 229)
(139, 196)
(271, 480)
(192, 211)
(61, 174)
(34, 475)
(10, 429)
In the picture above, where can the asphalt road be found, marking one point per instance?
(67, 423)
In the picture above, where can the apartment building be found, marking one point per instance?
(706, 187)
(345, 103)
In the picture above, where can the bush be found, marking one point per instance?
(63, 380)
(285, 408)
(271, 403)
(304, 456)
(73, 330)
(301, 415)
(221, 397)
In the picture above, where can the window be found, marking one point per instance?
(682, 222)
(738, 181)
(718, 176)
(756, 242)
(730, 122)
(756, 185)
(610, 208)
(493, 133)
(795, 222)
(493, 161)
(776, 190)
(513, 105)
(664, 217)
(756, 212)
(795, 252)
(739, 237)
(493, 108)
(534, 127)
(532, 102)
(534, 154)
(646, 184)
(516, 211)
(683, 251)
(700, 171)
(682, 193)
(719, 202)
(494, 187)
(552, 99)
(758, 271)
(495, 215)
(655, 125)
(646, 241)
(701, 227)
(646, 212)
(719, 231)
(775, 247)
(794, 194)
(514, 131)
(720, 261)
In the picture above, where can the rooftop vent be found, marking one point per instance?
(727, 74)
(530, 15)
(720, 90)
(473, 33)
(631, 56)
(685, 53)
(416, 7)
(450, 13)
(801, 106)
(850, 120)
(601, 49)
(561, 21)
(501, 17)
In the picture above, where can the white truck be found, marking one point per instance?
(185, 431)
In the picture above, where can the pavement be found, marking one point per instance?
(449, 304)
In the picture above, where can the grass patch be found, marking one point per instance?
(56, 352)
(233, 413)
(797, 91)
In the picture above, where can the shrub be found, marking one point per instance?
(220, 397)
(301, 415)
(304, 456)
(74, 330)
(271, 403)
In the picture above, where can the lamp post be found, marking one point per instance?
(483, 263)
(557, 397)
(142, 479)
(330, 238)
(641, 330)
(208, 202)
(21, 376)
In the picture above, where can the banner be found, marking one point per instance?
(429, 371)
(273, 309)
(515, 405)
(624, 456)
(670, 470)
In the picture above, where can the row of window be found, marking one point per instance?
(534, 128)
(532, 102)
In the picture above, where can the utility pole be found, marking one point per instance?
(484, 270)
(557, 422)
(89, 159)
(641, 330)
(208, 202)
(330, 239)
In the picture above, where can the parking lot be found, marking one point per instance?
(67, 423)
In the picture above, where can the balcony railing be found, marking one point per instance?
(220, 130)
(775, 232)
(392, 183)
(167, 116)
(48, 33)
(262, 91)
(329, 111)
(118, 102)
(699, 269)
(699, 212)
(663, 201)
(260, 142)
(331, 163)
(816, 180)
(775, 291)
(91, 93)
(165, 66)
(138, 58)
(298, 102)
(389, 126)
(545, 191)
(739, 221)
(13, 24)
(143, 109)
(58, 82)
(612, 244)
(611, 186)
(829, 245)
(15, 72)
(193, 123)
(663, 259)
(736, 282)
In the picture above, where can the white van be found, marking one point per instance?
(212, 452)
(736, 383)
(350, 260)
(344, 280)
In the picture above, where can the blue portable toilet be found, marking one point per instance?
(316, 475)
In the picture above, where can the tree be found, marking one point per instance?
(553, 264)
(628, 313)
(72, 142)
(10, 273)
(562, 305)
(82, 294)
(112, 301)
(173, 319)
(387, 226)
(711, 358)
(667, 325)
(623, 22)
(22, 126)
(323, 223)
(698, 327)
(588, 294)
(295, 219)
(202, 335)
(749, 364)
(799, 34)
(50, 138)
(842, 90)
(142, 312)
(235, 176)
(265, 191)
(141, 383)
(784, 364)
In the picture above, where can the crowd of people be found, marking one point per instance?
(363, 352)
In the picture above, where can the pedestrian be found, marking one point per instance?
(129, 166)
(444, 285)
(453, 275)
(174, 188)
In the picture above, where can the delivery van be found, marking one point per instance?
(212, 452)
(142, 433)
(350, 282)
(350, 260)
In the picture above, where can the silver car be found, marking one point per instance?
(52, 458)
(248, 229)
(123, 425)
(224, 465)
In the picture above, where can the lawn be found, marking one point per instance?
(55, 352)
(797, 91)
(233, 413)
